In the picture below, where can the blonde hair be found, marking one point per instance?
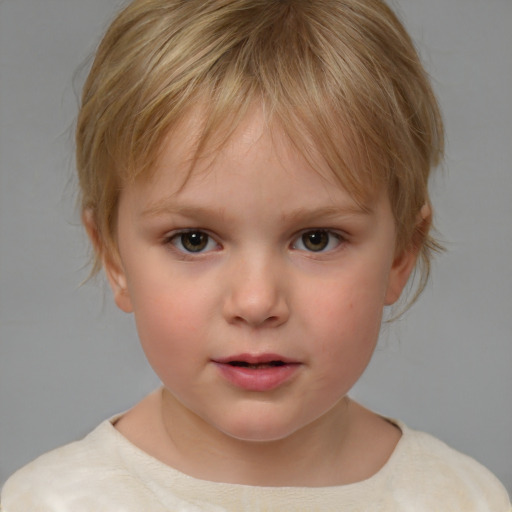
(341, 76)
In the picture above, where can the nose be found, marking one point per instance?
(257, 294)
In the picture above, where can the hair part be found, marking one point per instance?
(341, 78)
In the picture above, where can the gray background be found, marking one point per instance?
(68, 359)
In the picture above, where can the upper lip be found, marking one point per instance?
(255, 359)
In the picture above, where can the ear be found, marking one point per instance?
(405, 260)
(118, 283)
(111, 263)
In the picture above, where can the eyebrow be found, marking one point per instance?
(303, 214)
(167, 207)
(323, 212)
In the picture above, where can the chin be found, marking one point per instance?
(259, 430)
(258, 435)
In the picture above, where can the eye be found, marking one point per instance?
(193, 242)
(317, 240)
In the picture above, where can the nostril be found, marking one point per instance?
(259, 321)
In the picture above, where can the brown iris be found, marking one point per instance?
(315, 240)
(194, 241)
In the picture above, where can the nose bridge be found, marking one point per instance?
(257, 293)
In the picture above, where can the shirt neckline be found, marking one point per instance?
(160, 479)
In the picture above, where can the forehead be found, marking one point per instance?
(191, 151)
(256, 168)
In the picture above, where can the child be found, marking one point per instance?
(254, 181)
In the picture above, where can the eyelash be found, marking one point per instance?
(177, 240)
(326, 236)
(325, 239)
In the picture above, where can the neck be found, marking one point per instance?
(347, 445)
(199, 449)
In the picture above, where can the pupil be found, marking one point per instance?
(195, 241)
(315, 240)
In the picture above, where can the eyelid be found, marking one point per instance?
(340, 237)
(171, 237)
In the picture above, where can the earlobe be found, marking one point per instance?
(404, 262)
(118, 284)
(113, 268)
(402, 267)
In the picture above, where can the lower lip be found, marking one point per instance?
(258, 379)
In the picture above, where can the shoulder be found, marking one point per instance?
(429, 467)
(80, 476)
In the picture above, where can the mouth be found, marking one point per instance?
(263, 372)
(256, 366)
(256, 361)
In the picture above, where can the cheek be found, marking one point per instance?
(350, 331)
(345, 325)
(350, 301)
(169, 324)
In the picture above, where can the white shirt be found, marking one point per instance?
(105, 472)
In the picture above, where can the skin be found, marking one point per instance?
(256, 286)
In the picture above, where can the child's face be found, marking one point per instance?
(257, 287)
